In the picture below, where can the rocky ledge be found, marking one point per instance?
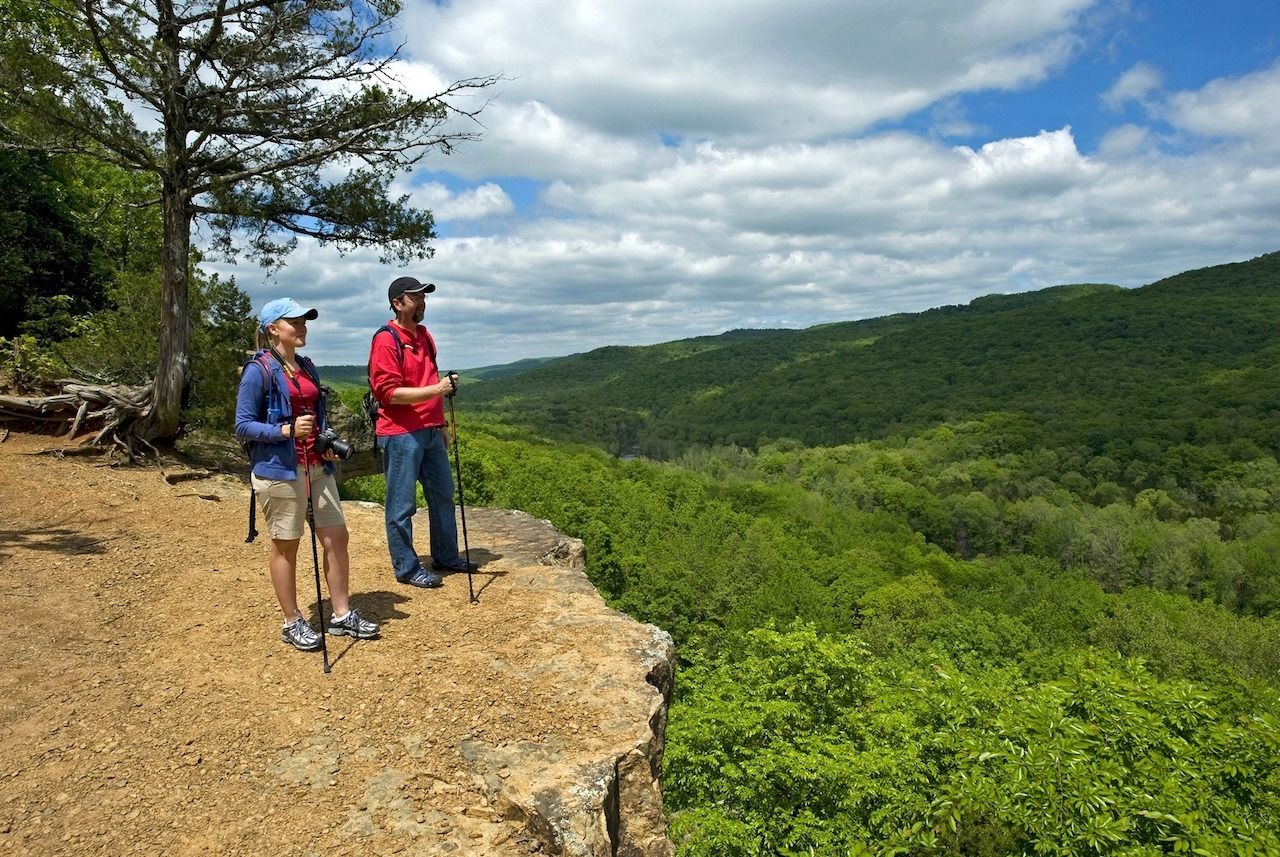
(598, 793)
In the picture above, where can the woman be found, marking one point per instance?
(279, 410)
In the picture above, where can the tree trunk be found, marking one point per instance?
(174, 369)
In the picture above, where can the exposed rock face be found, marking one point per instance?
(598, 794)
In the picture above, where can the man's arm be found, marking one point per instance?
(410, 395)
(386, 376)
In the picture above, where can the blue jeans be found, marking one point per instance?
(408, 459)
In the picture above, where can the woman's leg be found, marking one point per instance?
(283, 563)
(337, 564)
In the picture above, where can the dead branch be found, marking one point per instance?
(113, 410)
(173, 478)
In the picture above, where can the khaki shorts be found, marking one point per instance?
(284, 504)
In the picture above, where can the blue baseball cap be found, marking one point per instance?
(283, 308)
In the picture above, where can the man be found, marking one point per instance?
(405, 379)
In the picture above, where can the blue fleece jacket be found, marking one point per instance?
(263, 408)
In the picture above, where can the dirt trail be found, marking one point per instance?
(147, 705)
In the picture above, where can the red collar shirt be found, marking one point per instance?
(415, 367)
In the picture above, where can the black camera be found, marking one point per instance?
(328, 439)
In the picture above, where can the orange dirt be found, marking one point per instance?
(147, 705)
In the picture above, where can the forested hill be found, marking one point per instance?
(1186, 359)
(1035, 611)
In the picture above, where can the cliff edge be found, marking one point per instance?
(148, 706)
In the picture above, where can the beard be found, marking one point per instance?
(419, 314)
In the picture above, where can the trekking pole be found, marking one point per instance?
(315, 555)
(462, 501)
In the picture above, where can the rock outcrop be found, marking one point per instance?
(596, 794)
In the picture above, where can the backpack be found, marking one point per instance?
(372, 408)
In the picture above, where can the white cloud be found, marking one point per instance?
(1136, 84)
(1232, 107)
(949, 119)
(1124, 141)
(531, 139)
(486, 201)
(709, 166)
(741, 72)
(1048, 162)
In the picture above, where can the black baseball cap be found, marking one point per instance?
(400, 285)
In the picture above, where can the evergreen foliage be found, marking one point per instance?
(44, 251)
(265, 120)
(91, 310)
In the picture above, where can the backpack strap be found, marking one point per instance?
(309, 367)
(431, 346)
(368, 368)
(267, 382)
(371, 404)
(431, 349)
(253, 514)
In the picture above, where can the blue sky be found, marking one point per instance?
(658, 170)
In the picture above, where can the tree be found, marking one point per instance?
(243, 111)
(43, 250)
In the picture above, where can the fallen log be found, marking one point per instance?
(113, 410)
(174, 477)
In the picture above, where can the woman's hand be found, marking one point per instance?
(303, 426)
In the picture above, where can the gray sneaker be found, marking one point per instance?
(300, 635)
(353, 625)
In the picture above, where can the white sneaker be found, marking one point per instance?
(352, 625)
(300, 635)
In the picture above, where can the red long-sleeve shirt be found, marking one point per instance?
(419, 369)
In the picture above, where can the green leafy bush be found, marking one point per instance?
(1110, 760)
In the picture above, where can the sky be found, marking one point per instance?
(654, 171)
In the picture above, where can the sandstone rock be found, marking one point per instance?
(596, 796)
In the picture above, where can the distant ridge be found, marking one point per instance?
(348, 374)
(503, 370)
(1053, 294)
(1093, 349)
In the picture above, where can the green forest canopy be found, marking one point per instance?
(1023, 600)
(1073, 359)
